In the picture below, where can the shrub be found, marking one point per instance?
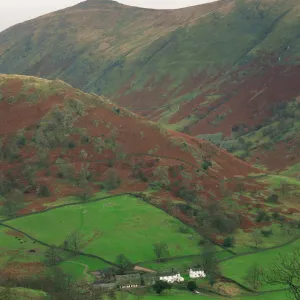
(276, 215)
(71, 145)
(142, 176)
(156, 185)
(187, 194)
(266, 232)
(173, 172)
(201, 242)
(123, 263)
(112, 180)
(85, 139)
(206, 164)
(60, 174)
(110, 163)
(273, 198)
(183, 229)
(228, 242)
(21, 141)
(191, 286)
(43, 191)
(262, 216)
(117, 110)
(160, 286)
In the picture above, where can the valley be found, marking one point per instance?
(137, 144)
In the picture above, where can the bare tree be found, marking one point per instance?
(74, 240)
(286, 271)
(123, 263)
(283, 188)
(209, 262)
(13, 201)
(161, 250)
(52, 256)
(255, 277)
(256, 238)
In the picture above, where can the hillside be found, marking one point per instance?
(161, 64)
(58, 141)
(86, 184)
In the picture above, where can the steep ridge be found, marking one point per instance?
(208, 69)
(58, 141)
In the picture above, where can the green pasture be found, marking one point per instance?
(13, 250)
(26, 294)
(245, 242)
(181, 264)
(182, 295)
(110, 227)
(282, 295)
(238, 267)
(78, 270)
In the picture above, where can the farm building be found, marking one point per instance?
(171, 278)
(197, 273)
(104, 285)
(130, 279)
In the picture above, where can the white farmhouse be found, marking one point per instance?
(197, 274)
(172, 278)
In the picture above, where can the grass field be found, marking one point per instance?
(237, 268)
(181, 264)
(181, 295)
(111, 227)
(14, 250)
(26, 294)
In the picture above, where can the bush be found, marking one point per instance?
(142, 176)
(206, 164)
(21, 141)
(85, 139)
(266, 232)
(173, 172)
(187, 194)
(262, 216)
(228, 242)
(43, 191)
(276, 215)
(110, 163)
(71, 145)
(123, 263)
(273, 198)
(191, 286)
(160, 286)
(183, 229)
(201, 242)
(156, 185)
(60, 174)
(112, 180)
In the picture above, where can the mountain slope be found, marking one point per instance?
(76, 161)
(208, 69)
(58, 141)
